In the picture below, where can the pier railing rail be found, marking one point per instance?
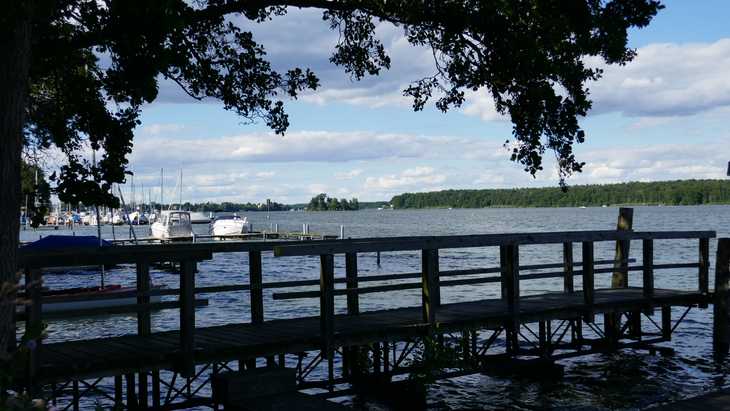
(509, 267)
(432, 279)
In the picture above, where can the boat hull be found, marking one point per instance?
(228, 227)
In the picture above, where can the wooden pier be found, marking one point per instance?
(354, 350)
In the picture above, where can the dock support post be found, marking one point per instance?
(118, 401)
(156, 388)
(704, 268)
(510, 271)
(429, 285)
(611, 330)
(143, 392)
(350, 355)
(667, 322)
(34, 325)
(187, 317)
(256, 288)
(144, 323)
(255, 280)
(721, 320)
(647, 251)
(620, 277)
(568, 267)
(588, 280)
(131, 395)
(353, 298)
(327, 304)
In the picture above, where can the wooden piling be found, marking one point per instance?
(428, 285)
(667, 322)
(588, 273)
(620, 277)
(510, 269)
(118, 400)
(703, 274)
(647, 252)
(353, 298)
(327, 304)
(721, 320)
(144, 322)
(256, 289)
(568, 267)
(34, 325)
(187, 317)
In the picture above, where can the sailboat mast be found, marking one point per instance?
(180, 202)
(162, 184)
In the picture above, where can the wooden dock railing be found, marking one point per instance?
(510, 274)
(509, 269)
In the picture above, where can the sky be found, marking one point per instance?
(661, 117)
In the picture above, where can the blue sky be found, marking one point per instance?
(663, 116)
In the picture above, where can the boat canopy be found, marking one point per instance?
(57, 242)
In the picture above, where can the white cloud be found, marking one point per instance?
(348, 175)
(666, 80)
(481, 103)
(158, 129)
(417, 178)
(265, 174)
(649, 163)
(309, 146)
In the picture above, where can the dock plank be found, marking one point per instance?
(231, 341)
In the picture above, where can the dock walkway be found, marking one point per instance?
(354, 347)
(105, 356)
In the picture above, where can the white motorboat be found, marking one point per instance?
(172, 225)
(228, 225)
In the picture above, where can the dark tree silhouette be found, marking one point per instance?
(77, 72)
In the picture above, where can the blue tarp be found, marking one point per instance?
(59, 242)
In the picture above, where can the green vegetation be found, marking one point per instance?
(235, 207)
(322, 202)
(36, 192)
(681, 192)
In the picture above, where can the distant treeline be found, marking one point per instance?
(234, 207)
(323, 202)
(680, 192)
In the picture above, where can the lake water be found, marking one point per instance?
(625, 380)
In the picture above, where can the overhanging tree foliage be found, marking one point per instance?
(75, 74)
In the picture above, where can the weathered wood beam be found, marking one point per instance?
(353, 297)
(588, 279)
(625, 222)
(255, 275)
(327, 304)
(721, 319)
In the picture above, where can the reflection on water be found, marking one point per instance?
(626, 380)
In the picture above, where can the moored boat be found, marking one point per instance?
(81, 298)
(172, 225)
(225, 225)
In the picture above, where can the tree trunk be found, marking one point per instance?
(15, 40)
